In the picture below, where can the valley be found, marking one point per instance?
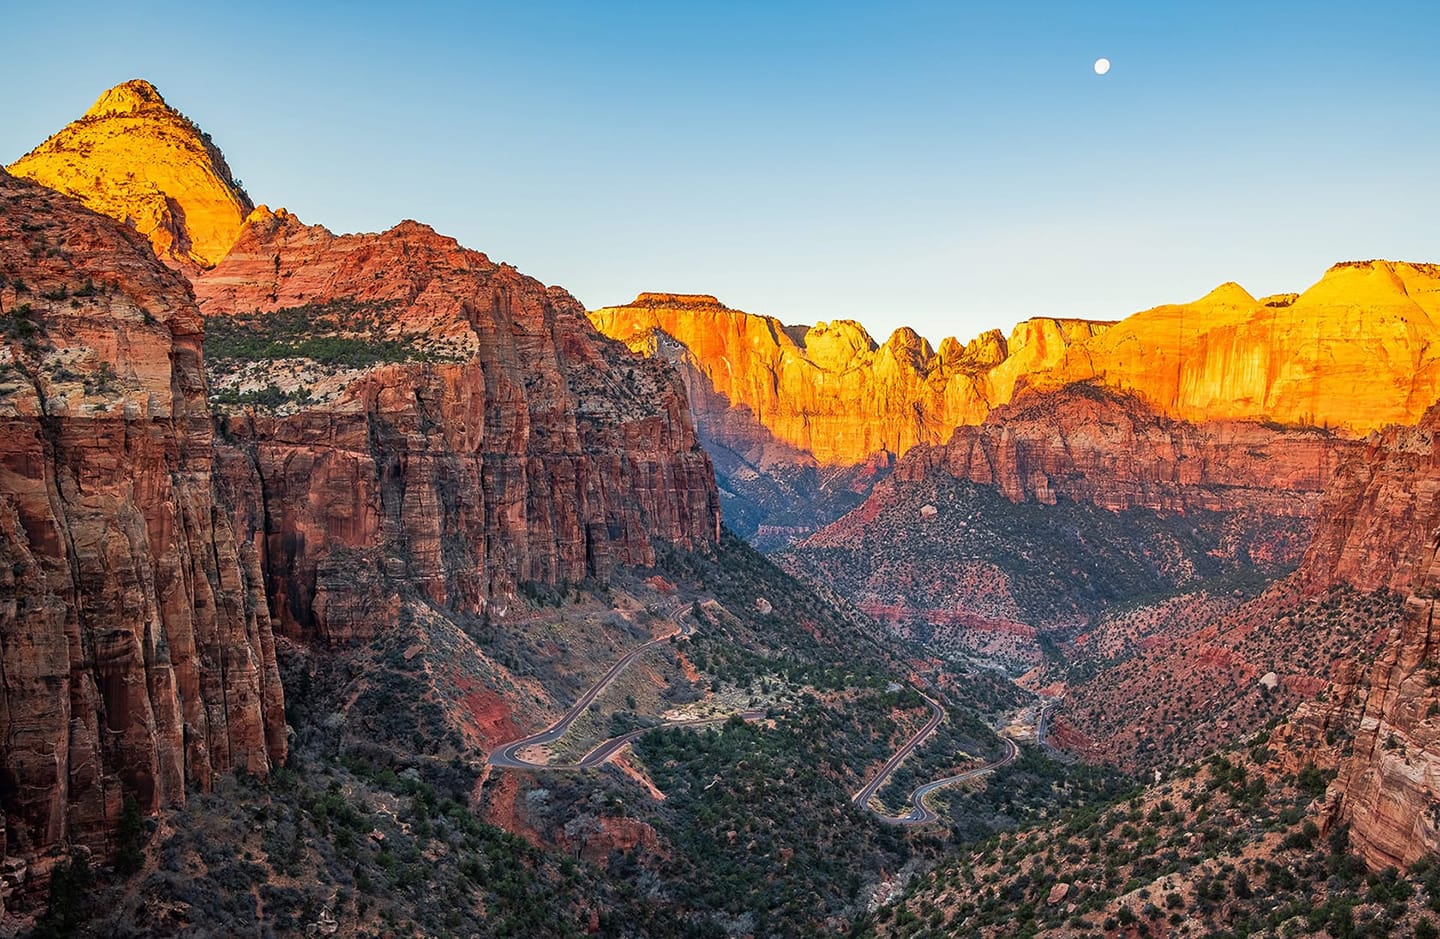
(360, 584)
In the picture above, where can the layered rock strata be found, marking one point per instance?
(474, 434)
(1088, 444)
(829, 390)
(1381, 528)
(1356, 352)
(135, 657)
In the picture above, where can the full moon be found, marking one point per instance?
(1102, 66)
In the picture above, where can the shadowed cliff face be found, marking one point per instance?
(138, 160)
(472, 433)
(135, 643)
(397, 422)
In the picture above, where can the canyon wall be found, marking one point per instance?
(1380, 528)
(136, 660)
(789, 412)
(829, 390)
(496, 439)
(802, 422)
(1088, 444)
(1058, 507)
(1355, 352)
(386, 418)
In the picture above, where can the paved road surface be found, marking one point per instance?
(509, 754)
(1043, 719)
(920, 813)
(608, 748)
(861, 799)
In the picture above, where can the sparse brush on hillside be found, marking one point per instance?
(1149, 692)
(343, 333)
(987, 560)
(1227, 848)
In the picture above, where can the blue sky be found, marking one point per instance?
(950, 166)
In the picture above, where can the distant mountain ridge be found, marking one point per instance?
(800, 407)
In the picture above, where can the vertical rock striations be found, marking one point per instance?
(1355, 352)
(133, 658)
(1381, 528)
(423, 418)
(829, 390)
(1381, 513)
(803, 421)
(1388, 786)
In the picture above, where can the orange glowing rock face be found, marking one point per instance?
(829, 389)
(1356, 352)
(138, 160)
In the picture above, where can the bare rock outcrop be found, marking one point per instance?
(136, 660)
(1381, 528)
(443, 424)
(138, 160)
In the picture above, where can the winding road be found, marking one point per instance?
(861, 799)
(508, 755)
(1042, 719)
(920, 813)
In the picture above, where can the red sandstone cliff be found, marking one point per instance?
(1060, 505)
(135, 658)
(502, 441)
(1380, 528)
(1381, 512)
(1087, 444)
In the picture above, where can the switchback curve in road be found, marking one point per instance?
(508, 755)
